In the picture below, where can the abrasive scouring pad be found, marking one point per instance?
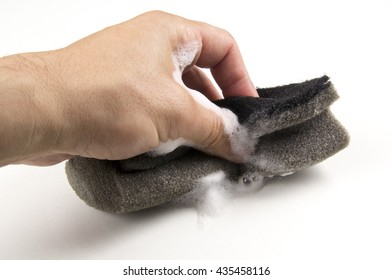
(293, 127)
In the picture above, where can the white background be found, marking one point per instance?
(332, 220)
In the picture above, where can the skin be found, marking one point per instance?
(112, 94)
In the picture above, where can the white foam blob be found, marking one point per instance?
(240, 140)
(213, 194)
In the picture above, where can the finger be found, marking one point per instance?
(205, 129)
(196, 79)
(221, 54)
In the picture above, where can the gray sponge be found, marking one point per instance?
(294, 130)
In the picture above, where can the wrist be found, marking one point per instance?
(31, 123)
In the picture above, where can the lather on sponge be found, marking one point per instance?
(293, 127)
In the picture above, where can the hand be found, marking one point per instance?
(112, 95)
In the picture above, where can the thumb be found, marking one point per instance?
(215, 131)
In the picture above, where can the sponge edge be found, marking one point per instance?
(294, 130)
(282, 106)
(300, 146)
(102, 185)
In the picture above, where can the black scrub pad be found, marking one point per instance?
(294, 130)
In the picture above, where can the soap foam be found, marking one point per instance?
(213, 194)
(183, 57)
(241, 142)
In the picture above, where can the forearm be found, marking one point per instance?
(27, 117)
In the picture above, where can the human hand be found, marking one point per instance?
(114, 94)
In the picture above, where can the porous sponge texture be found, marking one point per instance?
(294, 130)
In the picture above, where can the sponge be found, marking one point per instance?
(293, 126)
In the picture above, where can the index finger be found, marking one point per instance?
(221, 54)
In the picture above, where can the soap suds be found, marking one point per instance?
(183, 57)
(242, 143)
(213, 194)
